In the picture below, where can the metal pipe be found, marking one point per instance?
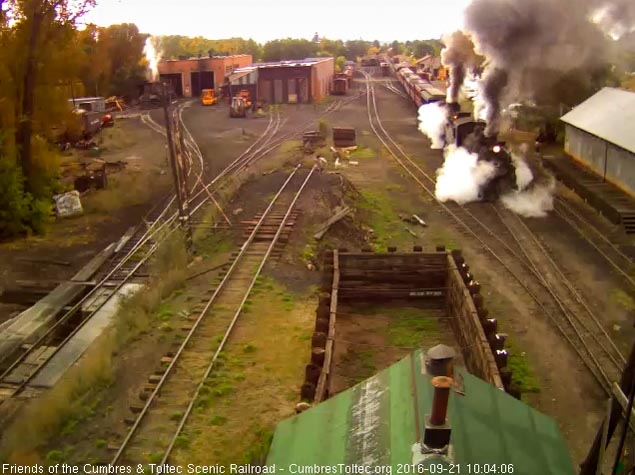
(442, 385)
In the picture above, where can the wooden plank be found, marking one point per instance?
(323, 381)
(332, 220)
(125, 238)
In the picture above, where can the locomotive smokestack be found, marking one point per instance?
(458, 55)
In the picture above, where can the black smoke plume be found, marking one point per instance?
(493, 84)
(458, 55)
(520, 39)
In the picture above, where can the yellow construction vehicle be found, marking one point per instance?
(238, 107)
(208, 97)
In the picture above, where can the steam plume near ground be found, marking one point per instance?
(152, 56)
(432, 118)
(462, 176)
(534, 197)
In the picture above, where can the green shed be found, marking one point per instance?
(378, 426)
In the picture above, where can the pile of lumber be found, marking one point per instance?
(343, 137)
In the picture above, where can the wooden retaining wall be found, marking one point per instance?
(468, 328)
(435, 279)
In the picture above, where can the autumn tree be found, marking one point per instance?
(41, 25)
(38, 60)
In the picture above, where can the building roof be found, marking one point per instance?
(203, 57)
(239, 73)
(609, 115)
(292, 62)
(380, 422)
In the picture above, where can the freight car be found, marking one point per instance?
(340, 84)
(420, 91)
(385, 69)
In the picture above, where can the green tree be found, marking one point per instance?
(123, 45)
(356, 48)
(289, 48)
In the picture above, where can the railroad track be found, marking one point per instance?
(155, 429)
(126, 266)
(128, 263)
(576, 319)
(559, 301)
(619, 261)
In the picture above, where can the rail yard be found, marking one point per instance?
(296, 251)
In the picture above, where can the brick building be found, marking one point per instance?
(189, 76)
(296, 81)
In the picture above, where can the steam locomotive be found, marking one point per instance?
(461, 130)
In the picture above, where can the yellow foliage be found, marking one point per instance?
(629, 83)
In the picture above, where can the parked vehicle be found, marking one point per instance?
(208, 97)
(238, 107)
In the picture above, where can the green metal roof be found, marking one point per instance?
(379, 423)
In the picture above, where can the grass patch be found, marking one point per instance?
(622, 299)
(218, 420)
(258, 381)
(382, 218)
(136, 312)
(408, 327)
(309, 252)
(123, 191)
(257, 452)
(362, 153)
(55, 456)
(182, 441)
(360, 363)
(289, 147)
(522, 372)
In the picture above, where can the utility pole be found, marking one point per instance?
(181, 201)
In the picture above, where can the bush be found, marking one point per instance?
(22, 213)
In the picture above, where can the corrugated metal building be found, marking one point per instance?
(599, 135)
(189, 76)
(381, 422)
(287, 82)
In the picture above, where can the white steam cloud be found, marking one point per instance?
(432, 118)
(462, 176)
(152, 56)
(532, 202)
